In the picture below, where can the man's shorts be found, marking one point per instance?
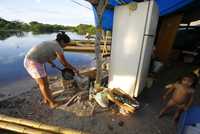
(35, 69)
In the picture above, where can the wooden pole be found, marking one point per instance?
(37, 125)
(167, 35)
(100, 9)
(21, 129)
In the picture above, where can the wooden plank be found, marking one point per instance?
(90, 49)
(167, 35)
(86, 42)
(19, 124)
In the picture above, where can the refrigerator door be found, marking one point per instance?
(152, 19)
(129, 47)
(148, 41)
(144, 65)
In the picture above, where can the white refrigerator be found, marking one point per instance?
(134, 30)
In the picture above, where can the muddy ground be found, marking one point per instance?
(78, 116)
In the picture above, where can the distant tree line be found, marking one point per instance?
(37, 28)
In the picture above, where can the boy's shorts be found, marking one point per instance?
(35, 69)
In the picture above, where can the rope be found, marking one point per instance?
(105, 50)
(81, 5)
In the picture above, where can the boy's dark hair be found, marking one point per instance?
(194, 79)
(62, 36)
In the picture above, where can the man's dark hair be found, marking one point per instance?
(62, 36)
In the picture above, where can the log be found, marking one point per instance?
(38, 125)
(21, 129)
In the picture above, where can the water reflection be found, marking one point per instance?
(13, 50)
(6, 34)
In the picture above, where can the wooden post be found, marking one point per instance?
(166, 35)
(100, 9)
(21, 125)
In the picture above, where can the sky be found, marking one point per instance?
(64, 12)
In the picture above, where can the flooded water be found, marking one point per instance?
(14, 48)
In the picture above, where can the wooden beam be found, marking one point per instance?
(167, 35)
(190, 16)
(90, 49)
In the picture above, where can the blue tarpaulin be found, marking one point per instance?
(189, 118)
(165, 7)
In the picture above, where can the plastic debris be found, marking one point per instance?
(102, 99)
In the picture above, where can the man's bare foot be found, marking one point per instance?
(43, 102)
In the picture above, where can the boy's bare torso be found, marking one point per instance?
(181, 94)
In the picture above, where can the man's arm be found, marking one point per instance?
(66, 64)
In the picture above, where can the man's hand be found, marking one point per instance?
(76, 71)
(66, 63)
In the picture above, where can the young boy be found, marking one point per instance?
(182, 96)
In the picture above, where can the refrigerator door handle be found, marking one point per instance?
(150, 35)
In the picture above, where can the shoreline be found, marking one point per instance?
(16, 88)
